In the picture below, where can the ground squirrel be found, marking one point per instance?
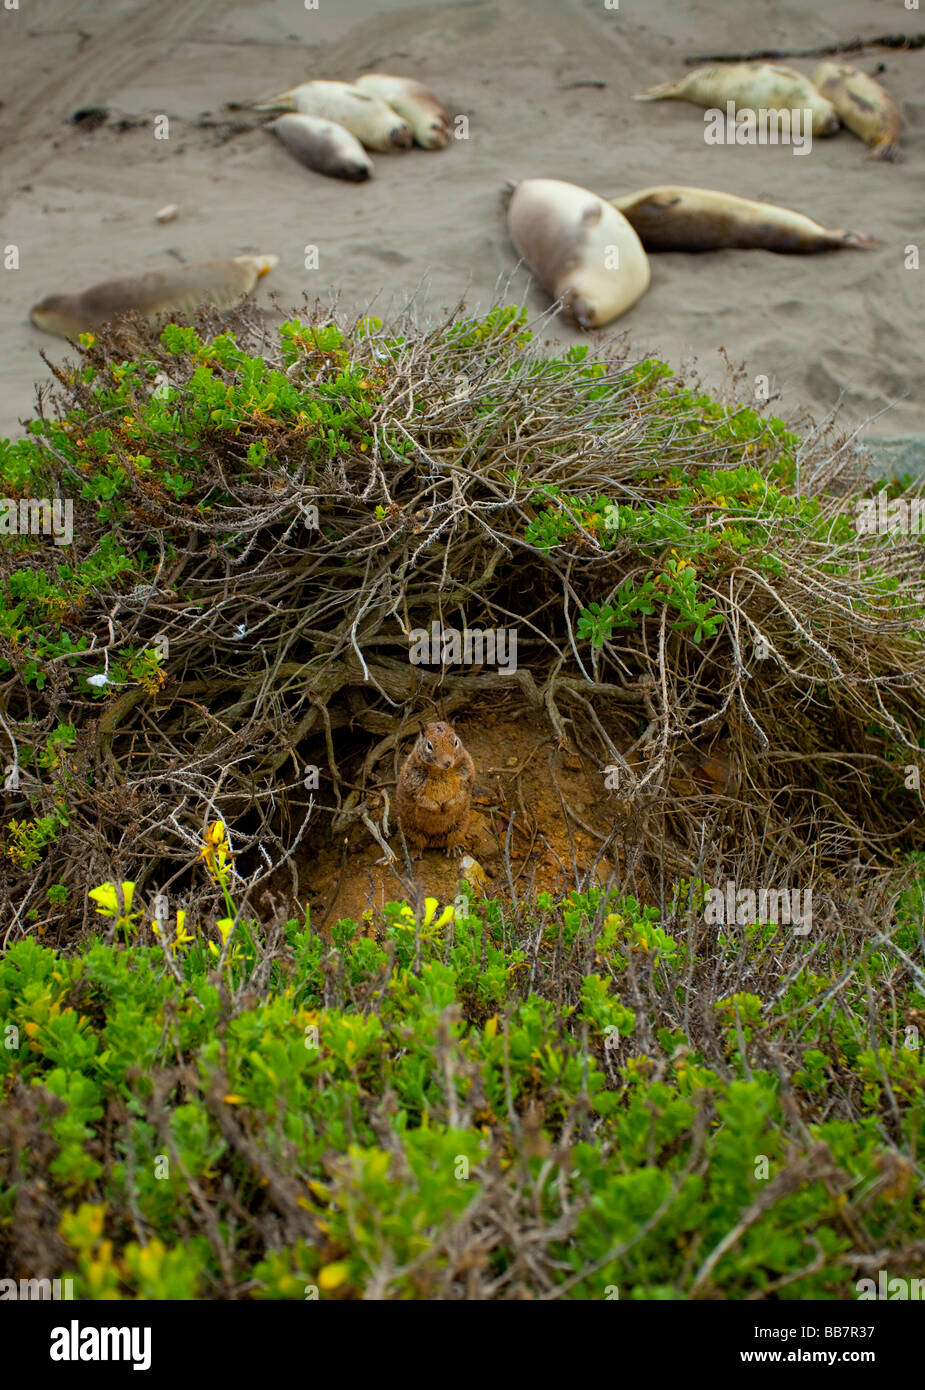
(434, 793)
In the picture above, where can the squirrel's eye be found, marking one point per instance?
(429, 746)
(457, 743)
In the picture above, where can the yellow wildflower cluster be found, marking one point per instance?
(216, 852)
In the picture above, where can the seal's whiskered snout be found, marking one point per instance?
(582, 313)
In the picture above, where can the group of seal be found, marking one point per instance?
(329, 126)
(836, 95)
(589, 253)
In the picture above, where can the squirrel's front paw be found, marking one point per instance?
(454, 845)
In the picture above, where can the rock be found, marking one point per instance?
(893, 456)
(89, 117)
(167, 214)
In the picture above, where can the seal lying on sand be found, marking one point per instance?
(427, 117)
(674, 218)
(374, 124)
(180, 290)
(750, 85)
(323, 146)
(581, 249)
(865, 108)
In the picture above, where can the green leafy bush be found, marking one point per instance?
(404, 1117)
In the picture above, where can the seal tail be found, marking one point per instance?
(663, 92)
(857, 241)
(283, 102)
(260, 265)
(888, 151)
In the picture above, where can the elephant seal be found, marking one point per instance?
(864, 106)
(428, 118)
(674, 218)
(752, 85)
(182, 290)
(581, 249)
(375, 125)
(323, 146)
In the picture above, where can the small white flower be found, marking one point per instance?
(98, 680)
(239, 632)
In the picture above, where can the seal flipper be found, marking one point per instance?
(284, 101)
(888, 150)
(659, 93)
(857, 241)
(261, 265)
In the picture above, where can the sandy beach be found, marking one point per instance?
(834, 329)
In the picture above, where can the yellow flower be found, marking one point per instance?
(215, 851)
(408, 921)
(107, 897)
(225, 926)
(430, 907)
(183, 937)
(333, 1275)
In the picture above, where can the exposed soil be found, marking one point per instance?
(550, 833)
(551, 807)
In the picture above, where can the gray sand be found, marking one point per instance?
(80, 206)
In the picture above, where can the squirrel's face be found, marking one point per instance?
(439, 745)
